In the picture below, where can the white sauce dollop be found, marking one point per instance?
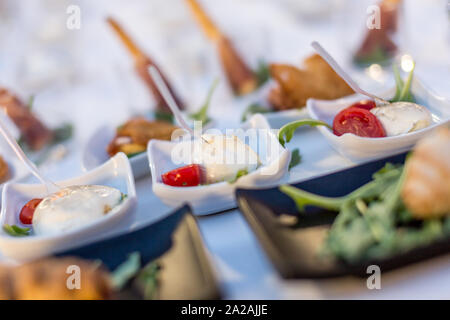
(74, 207)
(402, 117)
(224, 156)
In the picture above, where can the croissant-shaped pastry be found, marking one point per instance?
(426, 190)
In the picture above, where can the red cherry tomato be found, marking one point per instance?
(364, 104)
(27, 212)
(358, 121)
(188, 176)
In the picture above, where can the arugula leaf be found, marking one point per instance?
(62, 133)
(239, 174)
(262, 73)
(125, 271)
(296, 158)
(202, 113)
(148, 279)
(16, 231)
(287, 131)
(163, 116)
(252, 109)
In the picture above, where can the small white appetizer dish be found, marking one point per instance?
(85, 209)
(399, 136)
(265, 163)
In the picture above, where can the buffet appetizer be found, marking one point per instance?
(70, 208)
(402, 208)
(33, 132)
(141, 63)
(133, 136)
(240, 77)
(216, 158)
(294, 86)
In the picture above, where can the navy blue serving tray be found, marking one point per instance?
(175, 243)
(293, 247)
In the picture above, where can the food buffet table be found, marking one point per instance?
(101, 88)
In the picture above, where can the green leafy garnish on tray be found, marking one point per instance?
(16, 231)
(403, 89)
(252, 109)
(239, 174)
(202, 113)
(165, 116)
(126, 271)
(286, 132)
(372, 222)
(296, 158)
(262, 73)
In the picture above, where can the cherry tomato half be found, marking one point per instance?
(27, 212)
(188, 176)
(364, 104)
(358, 121)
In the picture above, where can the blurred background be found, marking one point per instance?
(85, 75)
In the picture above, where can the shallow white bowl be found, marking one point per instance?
(114, 173)
(207, 199)
(359, 148)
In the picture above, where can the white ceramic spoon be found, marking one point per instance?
(344, 75)
(51, 187)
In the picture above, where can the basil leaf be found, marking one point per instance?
(287, 131)
(296, 158)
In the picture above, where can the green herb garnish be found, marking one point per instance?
(252, 109)
(16, 231)
(286, 132)
(403, 89)
(372, 223)
(163, 116)
(126, 271)
(296, 158)
(62, 133)
(148, 279)
(239, 174)
(202, 113)
(131, 155)
(262, 73)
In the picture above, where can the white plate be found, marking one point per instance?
(360, 148)
(217, 197)
(114, 173)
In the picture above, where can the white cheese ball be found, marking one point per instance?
(402, 117)
(73, 207)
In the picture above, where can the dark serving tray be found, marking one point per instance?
(293, 248)
(175, 243)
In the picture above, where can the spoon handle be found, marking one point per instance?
(165, 92)
(51, 187)
(344, 75)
